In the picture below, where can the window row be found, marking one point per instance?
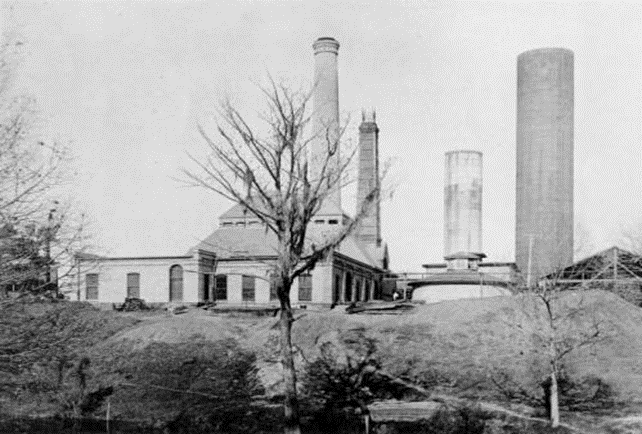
(132, 284)
(91, 285)
(248, 286)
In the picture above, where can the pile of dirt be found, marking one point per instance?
(456, 340)
(470, 338)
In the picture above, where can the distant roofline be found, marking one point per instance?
(131, 258)
(481, 264)
(463, 151)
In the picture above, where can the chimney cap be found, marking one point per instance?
(546, 50)
(326, 44)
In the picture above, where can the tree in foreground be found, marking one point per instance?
(37, 232)
(277, 178)
(559, 322)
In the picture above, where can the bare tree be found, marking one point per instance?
(278, 180)
(558, 322)
(37, 231)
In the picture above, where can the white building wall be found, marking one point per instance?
(322, 283)
(235, 271)
(154, 279)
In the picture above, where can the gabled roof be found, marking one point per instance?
(610, 263)
(232, 242)
(237, 211)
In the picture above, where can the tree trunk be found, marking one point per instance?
(554, 402)
(291, 402)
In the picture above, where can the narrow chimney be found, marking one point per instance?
(326, 109)
(369, 231)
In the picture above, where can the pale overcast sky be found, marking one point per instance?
(124, 83)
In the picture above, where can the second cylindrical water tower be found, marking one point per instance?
(544, 199)
(463, 202)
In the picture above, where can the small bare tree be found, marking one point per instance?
(558, 322)
(281, 182)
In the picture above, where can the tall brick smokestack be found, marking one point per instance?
(369, 231)
(544, 214)
(326, 108)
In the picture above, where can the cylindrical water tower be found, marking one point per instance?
(544, 199)
(463, 202)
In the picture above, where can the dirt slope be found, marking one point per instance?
(464, 338)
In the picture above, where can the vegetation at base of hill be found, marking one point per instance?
(346, 362)
(43, 349)
(209, 386)
(356, 369)
(55, 360)
(577, 393)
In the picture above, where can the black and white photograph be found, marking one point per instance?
(324, 216)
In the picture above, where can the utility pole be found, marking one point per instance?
(530, 259)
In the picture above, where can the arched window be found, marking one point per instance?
(176, 283)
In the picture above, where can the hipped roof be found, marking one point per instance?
(257, 242)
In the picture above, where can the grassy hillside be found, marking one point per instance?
(461, 348)
(471, 337)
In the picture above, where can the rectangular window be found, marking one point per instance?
(305, 287)
(133, 285)
(248, 288)
(221, 287)
(273, 294)
(91, 286)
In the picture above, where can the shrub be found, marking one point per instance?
(44, 352)
(575, 393)
(199, 384)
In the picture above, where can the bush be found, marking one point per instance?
(44, 353)
(575, 393)
(197, 385)
(583, 393)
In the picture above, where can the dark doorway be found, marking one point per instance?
(357, 289)
(348, 290)
(336, 291)
(206, 287)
